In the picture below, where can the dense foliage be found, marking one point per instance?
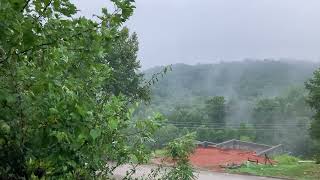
(65, 86)
(285, 120)
(216, 111)
(122, 58)
(313, 86)
(179, 150)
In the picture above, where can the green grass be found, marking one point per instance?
(286, 159)
(287, 167)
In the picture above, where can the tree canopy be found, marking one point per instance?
(65, 86)
(313, 85)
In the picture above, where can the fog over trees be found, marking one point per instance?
(255, 100)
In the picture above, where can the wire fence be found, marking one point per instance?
(236, 126)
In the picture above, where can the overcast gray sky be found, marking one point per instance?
(209, 31)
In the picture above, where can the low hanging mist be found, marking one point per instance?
(260, 101)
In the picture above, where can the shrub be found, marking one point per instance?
(287, 159)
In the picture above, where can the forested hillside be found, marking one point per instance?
(245, 80)
(260, 101)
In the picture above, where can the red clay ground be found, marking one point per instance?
(212, 158)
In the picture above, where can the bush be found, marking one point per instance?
(287, 159)
(317, 158)
(179, 150)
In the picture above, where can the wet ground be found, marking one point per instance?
(144, 170)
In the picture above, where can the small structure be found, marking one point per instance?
(260, 149)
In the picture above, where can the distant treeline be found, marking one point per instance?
(260, 101)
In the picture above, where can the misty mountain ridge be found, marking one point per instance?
(242, 80)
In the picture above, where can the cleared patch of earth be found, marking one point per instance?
(214, 159)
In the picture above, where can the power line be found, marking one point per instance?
(260, 129)
(215, 127)
(209, 123)
(239, 126)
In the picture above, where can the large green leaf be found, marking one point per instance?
(113, 124)
(95, 133)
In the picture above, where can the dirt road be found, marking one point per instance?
(143, 170)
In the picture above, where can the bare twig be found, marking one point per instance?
(44, 10)
(25, 5)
